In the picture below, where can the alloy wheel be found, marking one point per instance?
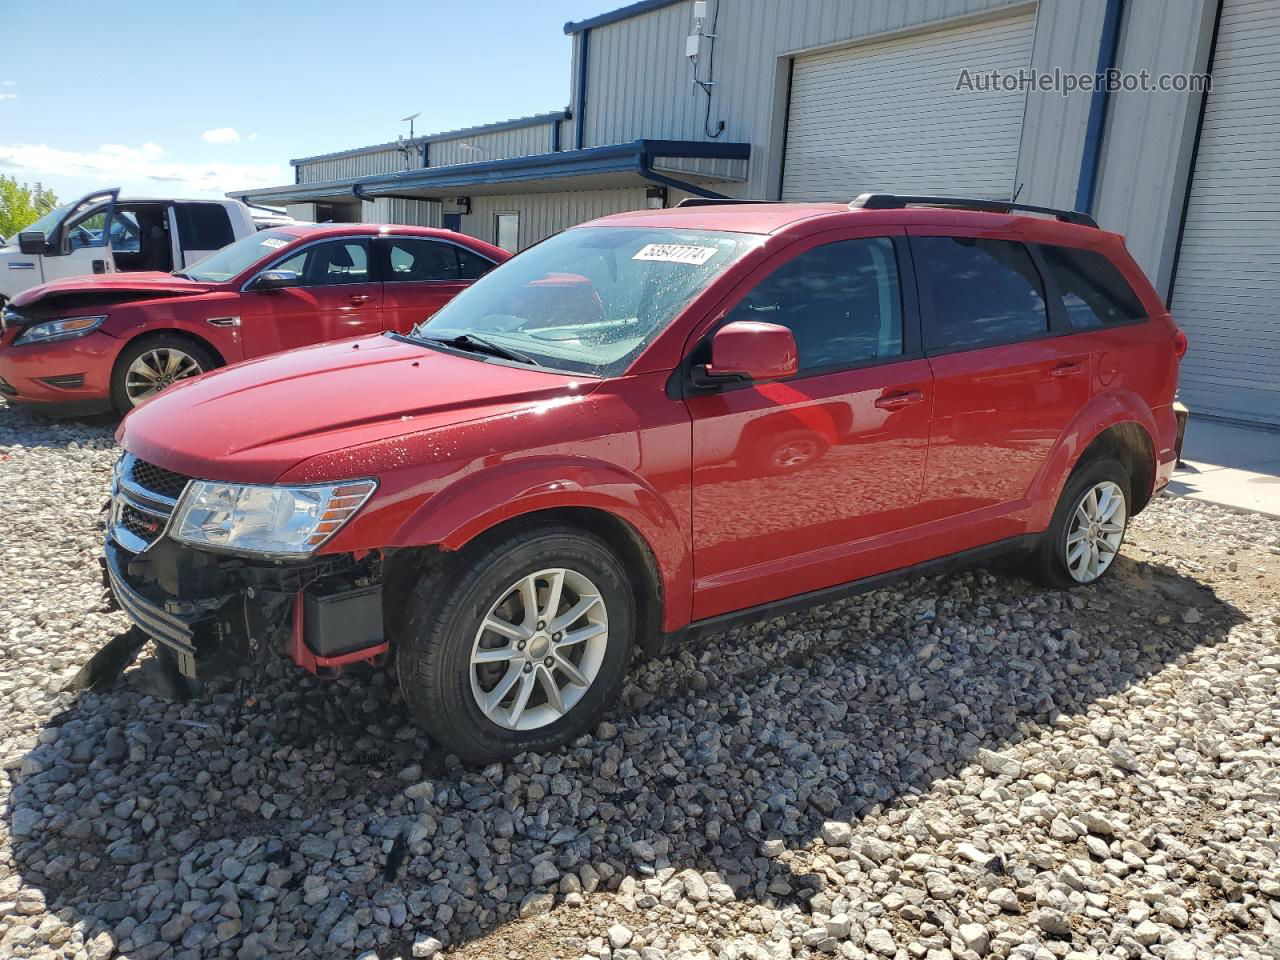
(156, 369)
(1096, 531)
(539, 648)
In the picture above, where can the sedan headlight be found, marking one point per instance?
(277, 521)
(65, 329)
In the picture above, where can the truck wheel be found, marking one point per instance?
(1088, 526)
(521, 646)
(149, 364)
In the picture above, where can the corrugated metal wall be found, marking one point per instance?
(1068, 33)
(542, 214)
(358, 165)
(1147, 150)
(301, 211)
(416, 213)
(520, 142)
(640, 83)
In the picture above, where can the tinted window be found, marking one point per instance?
(327, 264)
(982, 291)
(417, 260)
(203, 226)
(472, 266)
(1093, 291)
(842, 302)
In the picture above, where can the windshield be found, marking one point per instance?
(590, 299)
(46, 223)
(236, 257)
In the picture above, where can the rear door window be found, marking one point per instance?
(980, 292)
(203, 226)
(1094, 292)
(414, 260)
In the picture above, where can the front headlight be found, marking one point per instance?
(64, 329)
(279, 521)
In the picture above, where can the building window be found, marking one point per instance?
(506, 231)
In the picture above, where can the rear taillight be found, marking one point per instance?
(1180, 344)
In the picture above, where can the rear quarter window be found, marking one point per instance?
(1093, 290)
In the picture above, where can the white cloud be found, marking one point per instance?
(112, 164)
(251, 137)
(221, 135)
(8, 96)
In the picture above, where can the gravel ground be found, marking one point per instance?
(964, 766)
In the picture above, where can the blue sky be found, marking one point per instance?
(221, 96)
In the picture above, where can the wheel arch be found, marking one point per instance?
(620, 508)
(150, 332)
(1119, 424)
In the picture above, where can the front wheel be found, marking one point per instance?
(149, 364)
(522, 647)
(1088, 526)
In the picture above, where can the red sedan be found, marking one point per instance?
(90, 344)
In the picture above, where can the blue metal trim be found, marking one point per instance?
(580, 107)
(622, 13)
(1091, 157)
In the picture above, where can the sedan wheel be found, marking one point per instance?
(539, 649)
(1096, 531)
(156, 369)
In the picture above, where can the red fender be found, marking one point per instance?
(1104, 410)
(482, 500)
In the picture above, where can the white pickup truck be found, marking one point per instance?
(102, 233)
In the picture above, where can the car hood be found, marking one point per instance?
(115, 286)
(253, 421)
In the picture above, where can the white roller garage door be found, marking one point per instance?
(887, 116)
(1227, 293)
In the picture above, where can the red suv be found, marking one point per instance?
(651, 424)
(87, 344)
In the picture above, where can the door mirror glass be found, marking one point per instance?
(275, 280)
(751, 350)
(32, 242)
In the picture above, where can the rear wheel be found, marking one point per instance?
(1088, 527)
(148, 365)
(522, 647)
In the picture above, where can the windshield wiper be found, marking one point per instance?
(475, 344)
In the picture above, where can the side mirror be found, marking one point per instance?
(275, 280)
(747, 350)
(33, 242)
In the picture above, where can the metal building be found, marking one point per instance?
(825, 99)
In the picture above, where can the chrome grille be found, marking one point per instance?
(155, 479)
(143, 498)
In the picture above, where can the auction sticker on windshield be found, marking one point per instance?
(275, 243)
(676, 253)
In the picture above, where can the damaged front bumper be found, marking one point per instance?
(216, 612)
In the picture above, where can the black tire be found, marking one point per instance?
(120, 398)
(433, 657)
(1049, 559)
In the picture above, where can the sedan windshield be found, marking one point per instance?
(587, 300)
(236, 257)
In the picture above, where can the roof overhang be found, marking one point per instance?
(622, 13)
(638, 163)
(684, 164)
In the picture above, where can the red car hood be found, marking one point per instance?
(253, 421)
(144, 284)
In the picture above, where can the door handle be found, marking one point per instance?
(899, 398)
(1070, 368)
(358, 298)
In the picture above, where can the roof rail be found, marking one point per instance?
(717, 201)
(894, 201)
